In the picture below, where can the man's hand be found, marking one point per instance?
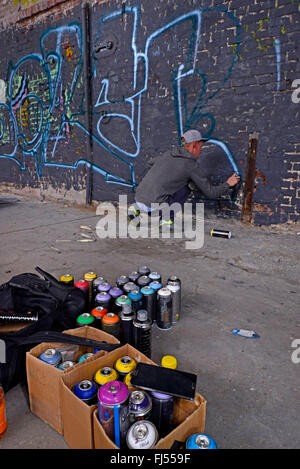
(233, 180)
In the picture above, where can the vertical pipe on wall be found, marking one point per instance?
(88, 99)
(249, 179)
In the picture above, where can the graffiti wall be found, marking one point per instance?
(156, 69)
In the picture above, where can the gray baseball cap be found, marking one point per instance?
(192, 135)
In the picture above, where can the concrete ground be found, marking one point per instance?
(250, 281)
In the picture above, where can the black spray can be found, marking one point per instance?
(164, 309)
(134, 276)
(121, 281)
(143, 280)
(128, 287)
(156, 285)
(162, 412)
(96, 284)
(137, 300)
(142, 333)
(126, 317)
(149, 301)
(144, 270)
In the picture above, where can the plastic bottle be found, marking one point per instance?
(3, 422)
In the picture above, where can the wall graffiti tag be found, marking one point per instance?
(43, 106)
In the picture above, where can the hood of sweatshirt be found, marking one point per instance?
(181, 152)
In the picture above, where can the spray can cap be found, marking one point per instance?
(142, 315)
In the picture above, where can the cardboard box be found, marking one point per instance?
(44, 381)
(189, 418)
(78, 416)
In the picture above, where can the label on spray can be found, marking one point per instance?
(164, 309)
(140, 405)
(176, 300)
(113, 411)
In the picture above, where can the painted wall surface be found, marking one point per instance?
(158, 68)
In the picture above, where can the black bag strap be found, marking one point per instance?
(52, 336)
(32, 291)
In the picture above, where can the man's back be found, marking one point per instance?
(170, 172)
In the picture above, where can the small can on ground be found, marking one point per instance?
(200, 441)
(220, 234)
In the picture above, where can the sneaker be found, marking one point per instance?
(133, 212)
(167, 225)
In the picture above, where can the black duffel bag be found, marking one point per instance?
(57, 307)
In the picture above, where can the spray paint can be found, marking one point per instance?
(164, 309)
(126, 325)
(136, 300)
(115, 292)
(111, 324)
(149, 301)
(113, 411)
(140, 405)
(86, 391)
(105, 375)
(144, 270)
(103, 299)
(142, 435)
(66, 365)
(85, 319)
(104, 287)
(174, 278)
(127, 379)
(142, 333)
(124, 365)
(120, 302)
(155, 276)
(96, 284)
(85, 357)
(51, 357)
(200, 441)
(67, 279)
(133, 276)
(89, 277)
(156, 285)
(83, 286)
(121, 280)
(220, 234)
(162, 412)
(128, 287)
(98, 312)
(143, 280)
(175, 289)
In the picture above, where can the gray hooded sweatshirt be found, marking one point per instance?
(171, 172)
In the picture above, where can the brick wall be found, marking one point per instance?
(229, 68)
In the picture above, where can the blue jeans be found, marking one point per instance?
(180, 197)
